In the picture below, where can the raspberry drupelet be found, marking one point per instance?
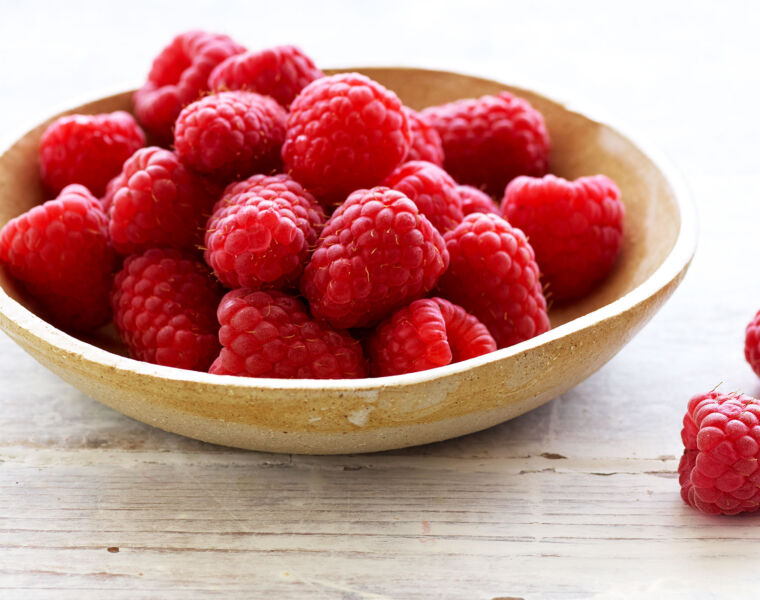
(377, 253)
(574, 227)
(178, 76)
(345, 132)
(164, 304)
(270, 334)
(494, 276)
(428, 333)
(61, 253)
(261, 232)
(489, 141)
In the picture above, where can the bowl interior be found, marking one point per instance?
(580, 146)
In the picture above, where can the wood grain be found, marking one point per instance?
(577, 499)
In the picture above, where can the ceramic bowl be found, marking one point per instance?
(342, 416)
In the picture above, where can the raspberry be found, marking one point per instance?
(494, 276)
(752, 344)
(719, 471)
(231, 135)
(270, 334)
(345, 132)
(156, 201)
(575, 228)
(426, 143)
(60, 251)
(164, 305)
(280, 72)
(178, 76)
(87, 149)
(426, 334)
(377, 253)
(433, 191)
(473, 200)
(491, 140)
(106, 202)
(260, 232)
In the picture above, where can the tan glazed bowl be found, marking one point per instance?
(341, 416)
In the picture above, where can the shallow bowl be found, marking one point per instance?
(328, 417)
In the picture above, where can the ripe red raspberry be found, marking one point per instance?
(426, 143)
(87, 149)
(575, 228)
(111, 187)
(426, 334)
(270, 334)
(473, 200)
(433, 191)
(157, 201)
(719, 471)
(280, 72)
(490, 140)
(494, 276)
(164, 304)
(345, 132)
(261, 231)
(231, 135)
(377, 253)
(60, 251)
(752, 344)
(178, 76)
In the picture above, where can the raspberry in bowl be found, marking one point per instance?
(468, 391)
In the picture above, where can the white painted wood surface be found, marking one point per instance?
(577, 499)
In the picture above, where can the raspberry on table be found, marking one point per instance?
(345, 132)
(426, 143)
(752, 344)
(433, 191)
(474, 200)
(231, 135)
(280, 72)
(87, 149)
(493, 275)
(575, 228)
(261, 232)
(164, 304)
(270, 334)
(428, 333)
(178, 76)
(718, 472)
(377, 253)
(61, 253)
(157, 201)
(489, 141)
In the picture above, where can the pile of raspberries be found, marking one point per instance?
(255, 217)
(283, 223)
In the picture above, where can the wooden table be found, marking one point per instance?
(577, 499)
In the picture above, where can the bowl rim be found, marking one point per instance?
(675, 262)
